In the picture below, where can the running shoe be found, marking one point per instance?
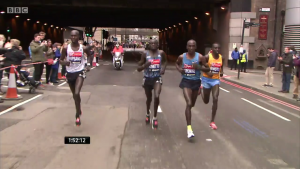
(78, 121)
(154, 124)
(190, 134)
(148, 117)
(213, 126)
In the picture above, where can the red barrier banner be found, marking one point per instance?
(263, 28)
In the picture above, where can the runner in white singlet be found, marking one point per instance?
(73, 57)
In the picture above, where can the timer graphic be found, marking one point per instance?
(77, 140)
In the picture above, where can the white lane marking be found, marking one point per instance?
(276, 107)
(18, 88)
(224, 90)
(105, 64)
(93, 68)
(237, 91)
(62, 83)
(114, 85)
(159, 109)
(269, 111)
(277, 162)
(19, 104)
(41, 78)
(208, 139)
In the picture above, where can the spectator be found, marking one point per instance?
(2, 42)
(42, 35)
(296, 61)
(50, 56)
(13, 56)
(55, 66)
(244, 61)
(287, 61)
(63, 70)
(37, 50)
(270, 67)
(235, 56)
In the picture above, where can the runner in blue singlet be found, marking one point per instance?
(154, 63)
(188, 64)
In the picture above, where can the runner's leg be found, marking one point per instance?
(205, 94)
(148, 92)
(157, 91)
(215, 94)
(76, 95)
(187, 93)
(188, 96)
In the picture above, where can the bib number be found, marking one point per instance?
(76, 57)
(155, 65)
(190, 72)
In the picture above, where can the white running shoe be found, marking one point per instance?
(190, 134)
(97, 64)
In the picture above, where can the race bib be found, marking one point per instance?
(155, 65)
(75, 57)
(215, 68)
(189, 70)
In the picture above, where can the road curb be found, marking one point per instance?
(290, 101)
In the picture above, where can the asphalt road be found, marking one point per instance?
(255, 131)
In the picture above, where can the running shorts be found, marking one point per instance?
(72, 77)
(190, 84)
(209, 83)
(149, 82)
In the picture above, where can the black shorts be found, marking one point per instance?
(191, 84)
(150, 82)
(72, 77)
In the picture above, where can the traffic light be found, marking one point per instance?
(8, 30)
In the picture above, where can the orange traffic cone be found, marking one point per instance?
(12, 93)
(59, 77)
(94, 62)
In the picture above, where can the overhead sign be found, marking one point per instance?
(264, 9)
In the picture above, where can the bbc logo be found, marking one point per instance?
(17, 10)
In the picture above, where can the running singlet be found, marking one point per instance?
(154, 69)
(187, 65)
(77, 60)
(215, 66)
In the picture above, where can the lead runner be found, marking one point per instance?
(73, 57)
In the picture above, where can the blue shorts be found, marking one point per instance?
(209, 83)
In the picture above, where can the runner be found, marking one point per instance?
(188, 64)
(73, 57)
(154, 63)
(211, 80)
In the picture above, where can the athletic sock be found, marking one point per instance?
(154, 118)
(189, 127)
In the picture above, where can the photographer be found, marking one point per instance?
(37, 50)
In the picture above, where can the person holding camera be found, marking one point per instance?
(37, 51)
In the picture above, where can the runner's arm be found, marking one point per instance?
(63, 57)
(202, 65)
(178, 64)
(87, 50)
(141, 63)
(164, 60)
(221, 71)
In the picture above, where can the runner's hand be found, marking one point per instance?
(67, 63)
(87, 68)
(195, 65)
(162, 71)
(210, 74)
(199, 91)
(181, 71)
(221, 74)
(147, 64)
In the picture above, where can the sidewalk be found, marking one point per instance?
(255, 79)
